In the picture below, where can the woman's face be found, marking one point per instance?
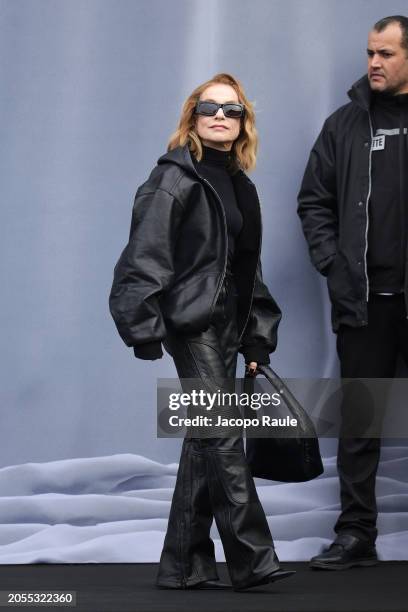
(218, 132)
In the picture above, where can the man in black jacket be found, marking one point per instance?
(353, 207)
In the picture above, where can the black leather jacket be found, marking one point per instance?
(334, 206)
(172, 269)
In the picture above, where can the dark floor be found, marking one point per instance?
(117, 587)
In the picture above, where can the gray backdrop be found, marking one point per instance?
(91, 90)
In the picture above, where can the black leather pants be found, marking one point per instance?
(213, 479)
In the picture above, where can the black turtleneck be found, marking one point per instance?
(387, 235)
(214, 167)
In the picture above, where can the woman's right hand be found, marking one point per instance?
(252, 368)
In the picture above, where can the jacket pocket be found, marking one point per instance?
(340, 284)
(187, 306)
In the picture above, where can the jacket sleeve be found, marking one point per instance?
(318, 200)
(261, 333)
(144, 270)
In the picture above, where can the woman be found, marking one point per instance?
(190, 278)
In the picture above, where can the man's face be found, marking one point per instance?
(387, 61)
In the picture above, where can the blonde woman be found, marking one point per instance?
(190, 279)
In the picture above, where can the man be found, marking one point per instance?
(353, 208)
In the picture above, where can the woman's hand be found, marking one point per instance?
(252, 368)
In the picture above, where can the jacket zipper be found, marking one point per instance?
(226, 243)
(367, 200)
(257, 263)
(405, 136)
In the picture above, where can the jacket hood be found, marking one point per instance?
(360, 93)
(180, 156)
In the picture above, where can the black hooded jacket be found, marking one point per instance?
(334, 202)
(172, 269)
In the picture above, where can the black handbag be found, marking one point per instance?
(294, 459)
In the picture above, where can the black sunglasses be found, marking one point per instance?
(230, 109)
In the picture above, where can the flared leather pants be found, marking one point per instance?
(213, 479)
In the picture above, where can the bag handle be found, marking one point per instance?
(305, 427)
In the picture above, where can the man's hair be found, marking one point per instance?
(403, 23)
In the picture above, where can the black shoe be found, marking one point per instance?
(209, 585)
(346, 551)
(273, 577)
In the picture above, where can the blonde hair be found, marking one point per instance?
(244, 148)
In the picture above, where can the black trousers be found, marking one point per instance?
(213, 479)
(367, 352)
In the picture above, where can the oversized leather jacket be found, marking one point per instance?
(334, 206)
(172, 269)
